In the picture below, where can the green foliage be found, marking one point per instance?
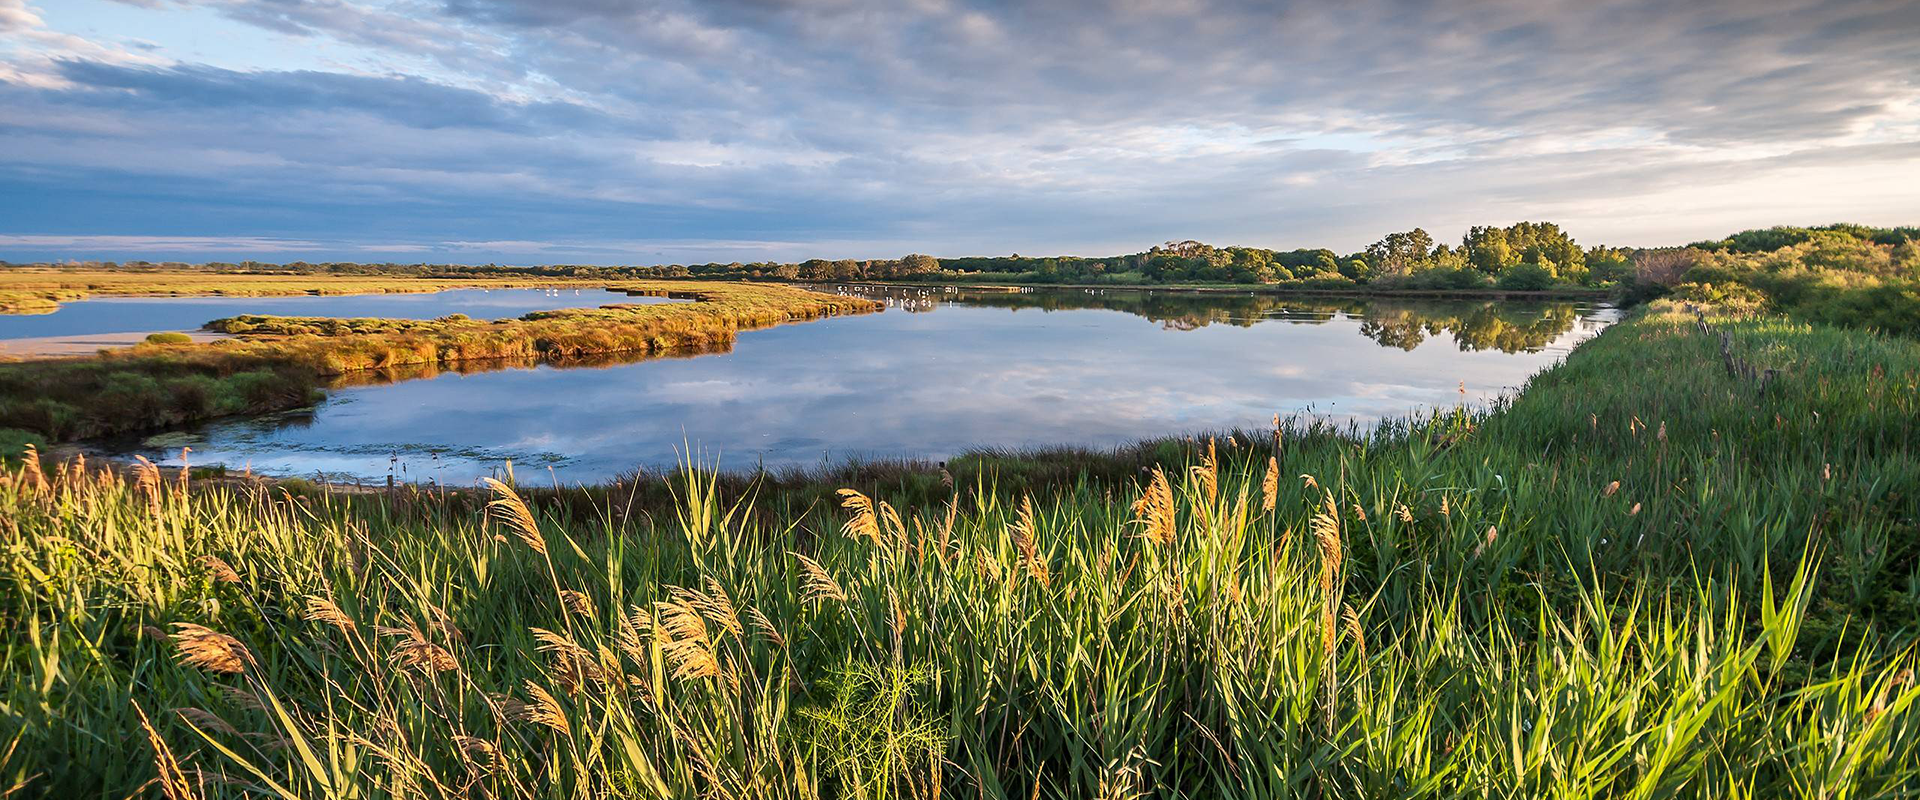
(1645, 575)
(1838, 274)
(1495, 250)
(873, 728)
(168, 338)
(1527, 276)
(14, 443)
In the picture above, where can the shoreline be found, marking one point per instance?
(40, 348)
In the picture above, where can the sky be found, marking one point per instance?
(686, 131)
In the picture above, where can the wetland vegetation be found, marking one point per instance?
(1646, 574)
(1682, 562)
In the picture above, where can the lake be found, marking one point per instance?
(101, 315)
(938, 373)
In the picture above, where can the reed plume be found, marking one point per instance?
(479, 752)
(815, 582)
(1325, 525)
(1155, 511)
(576, 602)
(508, 507)
(682, 635)
(320, 609)
(896, 618)
(574, 663)
(863, 523)
(147, 483)
(717, 607)
(1354, 631)
(946, 527)
(1208, 473)
(217, 569)
(173, 782)
(415, 651)
(1022, 532)
(543, 710)
(1270, 485)
(765, 627)
(208, 649)
(206, 720)
(35, 479)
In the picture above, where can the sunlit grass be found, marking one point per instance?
(1643, 577)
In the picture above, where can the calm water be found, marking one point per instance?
(934, 375)
(142, 314)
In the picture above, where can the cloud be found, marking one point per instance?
(789, 129)
(163, 244)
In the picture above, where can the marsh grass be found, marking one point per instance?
(1463, 605)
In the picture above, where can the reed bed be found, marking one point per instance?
(1639, 578)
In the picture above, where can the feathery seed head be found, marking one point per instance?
(816, 584)
(510, 509)
(208, 649)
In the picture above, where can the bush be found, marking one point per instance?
(1526, 277)
(1464, 278)
(169, 338)
(13, 443)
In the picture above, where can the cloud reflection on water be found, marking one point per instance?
(978, 372)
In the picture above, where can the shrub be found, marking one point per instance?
(13, 442)
(1526, 277)
(169, 338)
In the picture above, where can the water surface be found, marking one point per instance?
(936, 374)
(145, 314)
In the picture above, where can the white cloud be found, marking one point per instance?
(861, 128)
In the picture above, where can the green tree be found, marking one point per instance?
(1400, 254)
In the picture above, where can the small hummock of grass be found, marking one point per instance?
(168, 338)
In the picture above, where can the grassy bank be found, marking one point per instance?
(279, 362)
(1657, 572)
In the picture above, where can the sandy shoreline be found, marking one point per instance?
(84, 344)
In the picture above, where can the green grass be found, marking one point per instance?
(1457, 606)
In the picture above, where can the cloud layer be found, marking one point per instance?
(611, 131)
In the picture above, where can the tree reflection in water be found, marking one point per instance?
(1509, 326)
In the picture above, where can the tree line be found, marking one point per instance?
(1844, 273)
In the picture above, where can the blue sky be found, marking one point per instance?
(607, 131)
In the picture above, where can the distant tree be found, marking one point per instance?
(1400, 254)
(918, 264)
(1494, 249)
